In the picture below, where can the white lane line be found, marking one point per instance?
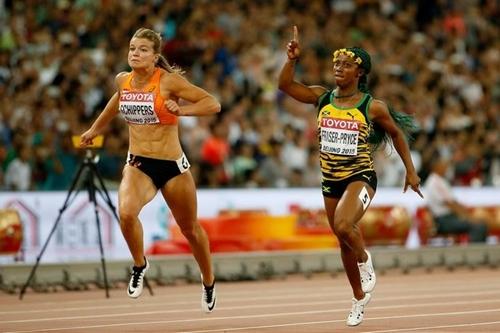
(338, 321)
(435, 327)
(190, 320)
(250, 299)
(225, 301)
(190, 292)
(263, 315)
(277, 290)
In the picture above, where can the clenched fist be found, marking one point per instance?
(173, 107)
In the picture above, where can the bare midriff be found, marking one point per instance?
(155, 141)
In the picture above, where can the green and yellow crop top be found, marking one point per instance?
(343, 137)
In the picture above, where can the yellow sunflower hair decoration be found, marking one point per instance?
(348, 53)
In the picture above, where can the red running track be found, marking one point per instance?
(442, 301)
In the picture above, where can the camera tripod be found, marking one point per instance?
(88, 169)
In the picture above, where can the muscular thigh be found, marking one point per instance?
(354, 202)
(136, 190)
(180, 195)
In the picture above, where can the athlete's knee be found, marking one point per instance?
(192, 231)
(127, 216)
(342, 227)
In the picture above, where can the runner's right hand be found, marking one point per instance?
(87, 137)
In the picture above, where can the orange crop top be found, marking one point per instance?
(145, 106)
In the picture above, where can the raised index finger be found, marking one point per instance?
(418, 192)
(295, 34)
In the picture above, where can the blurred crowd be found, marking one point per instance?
(437, 60)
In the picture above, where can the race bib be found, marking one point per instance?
(138, 107)
(183, 163)
(339, 136)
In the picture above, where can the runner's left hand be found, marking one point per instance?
(173, 107)
(413, 181)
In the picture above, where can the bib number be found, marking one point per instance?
(339, 141)
(183, 163)
(138, 108)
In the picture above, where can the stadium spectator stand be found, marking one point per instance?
(437, 60)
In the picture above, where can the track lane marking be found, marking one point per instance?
(288, 296)
(191, 320)
(435, 327)
(343, 320)
(285, 290)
